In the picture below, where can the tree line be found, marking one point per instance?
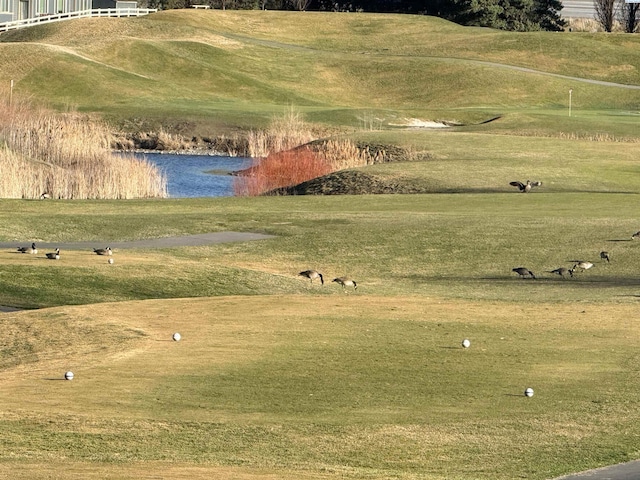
(607, 12)
(513, 15)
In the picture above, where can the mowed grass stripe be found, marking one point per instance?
(447, 245)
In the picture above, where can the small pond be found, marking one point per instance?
(190, 176)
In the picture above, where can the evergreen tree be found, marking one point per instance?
(548, 14)
(479, 13)
(514, 15)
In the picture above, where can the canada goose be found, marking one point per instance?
(635, 236)
(32, 249)
(605, 256)
(525, 187)
(54, 255)
(44, 196)
(563, 271)
(523, 272)
(311, 274)
(582, 265)
(103, 251)
(346, 282)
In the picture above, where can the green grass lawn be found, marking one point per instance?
(308, 386)
(217, 71)
(279, 378)
(276, 377)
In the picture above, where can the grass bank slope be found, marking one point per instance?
(239, 67)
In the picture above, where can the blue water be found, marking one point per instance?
(187, 178)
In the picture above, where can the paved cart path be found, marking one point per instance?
(624, 471)
(164, 242)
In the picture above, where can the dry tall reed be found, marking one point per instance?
(67, 156)
(341, 154)
(283, 133)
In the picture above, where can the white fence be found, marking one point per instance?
(58, 17)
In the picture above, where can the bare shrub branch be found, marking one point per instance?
(630, 16)
(605, 13)
(280, 169)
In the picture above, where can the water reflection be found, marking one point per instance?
(191, 176)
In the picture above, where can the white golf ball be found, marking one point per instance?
(68, 376)
(110, 260)
(176, 337)
(528, 392)
(466, 343)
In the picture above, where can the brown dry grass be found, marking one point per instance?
(589, 25)
(125, 349)
(67, 156)
(344, 153)
(284, 133)
(145, 470)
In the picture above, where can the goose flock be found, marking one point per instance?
(55, 255)
(578, 265)
(563, 272)
(344, 281)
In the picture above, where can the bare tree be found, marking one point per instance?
(630, 16)
(300, 5)
(605, 13)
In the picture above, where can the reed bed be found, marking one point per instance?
(67, 156)
(597, 137)
(591, 25)
(285, 156)
(291, 167)
(284, 133)
(341, 154)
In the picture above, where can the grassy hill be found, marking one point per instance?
(276, 377)
(230, 69)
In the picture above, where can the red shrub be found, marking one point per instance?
(281, 169)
